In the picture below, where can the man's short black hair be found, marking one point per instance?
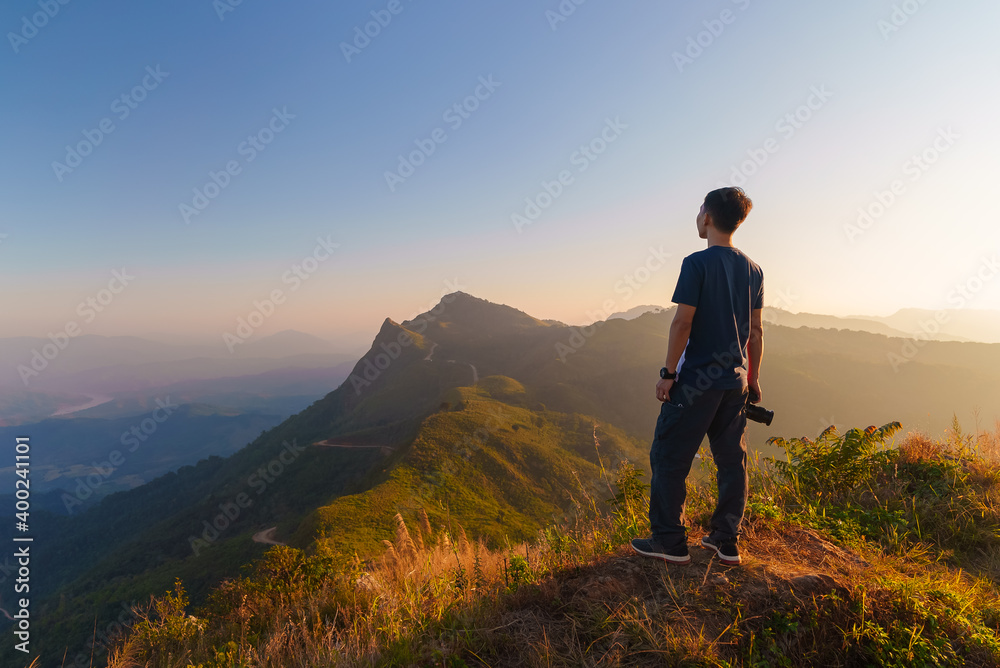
(728, 207)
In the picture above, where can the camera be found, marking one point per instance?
(759, 413)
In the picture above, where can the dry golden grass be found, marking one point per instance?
(577, 597)
(919, 447)
(987, 445)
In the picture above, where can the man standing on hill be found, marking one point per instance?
(713, 362)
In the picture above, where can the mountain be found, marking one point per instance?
(476, 413)
(777, 316)
(961, 324)
(636, 311)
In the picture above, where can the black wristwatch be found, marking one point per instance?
(666, 375)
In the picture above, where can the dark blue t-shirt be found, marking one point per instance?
(724, 285)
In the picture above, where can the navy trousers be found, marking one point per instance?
(683, 423)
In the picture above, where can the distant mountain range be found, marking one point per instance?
(81, 460)
(967, 324)
(98, 388)
(102, 376)
(636, 311)
(481, 415)
(92, 351)
(946, 325)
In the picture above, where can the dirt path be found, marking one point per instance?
(266, 537)
(386, 450)
(431, 353)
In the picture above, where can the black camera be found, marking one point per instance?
(759, 413)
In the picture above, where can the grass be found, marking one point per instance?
(857, 552)
(501, 468)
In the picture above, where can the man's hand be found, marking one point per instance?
(755, 394)
(663, 389)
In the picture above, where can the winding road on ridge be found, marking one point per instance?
(266, 537)
(386, 450)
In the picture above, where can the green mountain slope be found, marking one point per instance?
(486, 461)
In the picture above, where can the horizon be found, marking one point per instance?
(358, 177)
(357, 342)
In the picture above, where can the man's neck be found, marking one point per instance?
(716, 238)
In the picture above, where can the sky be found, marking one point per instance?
(173, 168)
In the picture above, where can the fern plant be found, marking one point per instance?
(834, 464)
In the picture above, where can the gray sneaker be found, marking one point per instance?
(727, 550)
(648, 547)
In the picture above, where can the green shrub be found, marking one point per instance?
(165, 627)
(834, 465)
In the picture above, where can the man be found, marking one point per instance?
(713, 363)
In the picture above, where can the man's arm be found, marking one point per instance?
(755, 350)
(680, 330)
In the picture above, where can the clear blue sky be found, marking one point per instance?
(678, 128)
